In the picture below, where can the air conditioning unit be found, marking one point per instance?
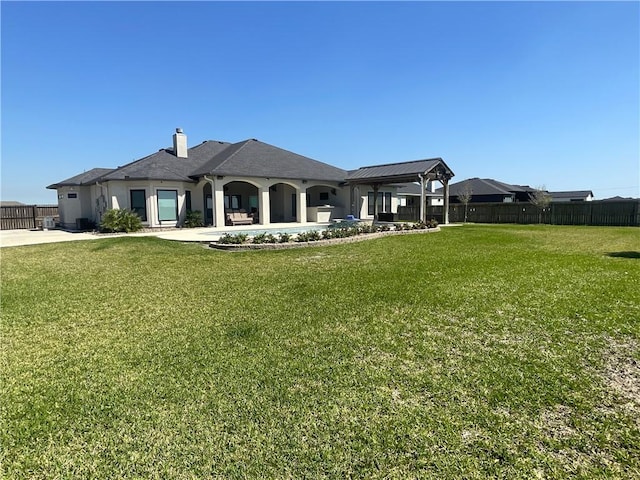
(48, 222)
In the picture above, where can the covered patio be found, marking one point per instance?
(421, 171)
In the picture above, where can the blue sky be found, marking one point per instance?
(543, 93)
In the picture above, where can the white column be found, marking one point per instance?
(265, 213)
(301, 214)
(218, 204)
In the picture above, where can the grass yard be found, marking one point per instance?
(476, 352)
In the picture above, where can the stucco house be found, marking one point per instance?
(409, 194)
(572, 196)
(271, 184)
(488, 190)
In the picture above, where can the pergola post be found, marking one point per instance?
(375, 187)
(352, 196)
(445, 212)
(423, 213)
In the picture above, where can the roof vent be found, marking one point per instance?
(179, 130)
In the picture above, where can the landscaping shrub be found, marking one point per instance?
(311, 236)
(284, 238)
(120, 220)
(193, 219)
(264, 238)
(364, 228)
(236, 239)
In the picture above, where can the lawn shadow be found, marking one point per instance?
(624, 254)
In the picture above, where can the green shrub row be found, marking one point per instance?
(338, 231)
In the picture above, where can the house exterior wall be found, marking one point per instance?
(277, 205)
(275, 197)
(119, 196)
(588, 198)
(364, 200)
(74, 203)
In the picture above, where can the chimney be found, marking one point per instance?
(179, 144)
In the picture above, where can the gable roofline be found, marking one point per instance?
(486, 186)
(254, 158)
(572, 193)
(82, 179)
(400, 172)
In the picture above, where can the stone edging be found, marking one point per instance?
(229, 247)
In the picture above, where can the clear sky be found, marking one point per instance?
(543, 93)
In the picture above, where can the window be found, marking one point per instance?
(139, 203)
(72, 195)
(232, 202)
(167, 205)
(383, 205)
(187, 200)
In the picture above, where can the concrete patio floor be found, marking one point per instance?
(14, 238)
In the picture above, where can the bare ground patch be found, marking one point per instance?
(621, 372)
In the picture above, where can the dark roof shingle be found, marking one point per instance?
(86, 178)
(258, 159)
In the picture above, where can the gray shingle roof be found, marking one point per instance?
(258, 159)
(572, 194)
(412, 189)
(86, 178)
(484, 186)
(401, 172)
(164, 165)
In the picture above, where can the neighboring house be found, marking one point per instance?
(214, 177)
(488, 190)
(618, 198)
(573, 196)
(409, 195)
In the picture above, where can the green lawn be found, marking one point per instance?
(475, 352)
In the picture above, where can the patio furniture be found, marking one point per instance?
(239, 217)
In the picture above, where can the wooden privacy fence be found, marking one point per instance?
(613, 213)
(26, 216)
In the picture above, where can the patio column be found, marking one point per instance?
(352, 199)
(301, 214)
(265, 206)
(445, 210)
(357, 202)
(375, 187)
(423, 197)
(218, 204)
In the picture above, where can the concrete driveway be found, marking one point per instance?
(15, 238)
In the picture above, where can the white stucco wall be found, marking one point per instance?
(119, 196)
(364, 200)
(70, 209)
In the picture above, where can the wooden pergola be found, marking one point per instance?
(420, 171)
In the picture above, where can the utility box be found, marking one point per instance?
(48, 223)
(82, 224)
